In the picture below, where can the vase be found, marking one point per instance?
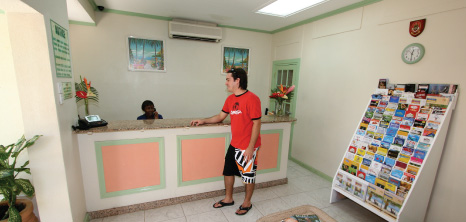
(279, 108)
(27, 214)
(86, 106)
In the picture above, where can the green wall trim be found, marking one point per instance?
(245, 29)
(87, 218)
(312, 169)
(81, 23)
(279, 156)
(100, 165)
(328, 14)
(137, 14)
(198, 136)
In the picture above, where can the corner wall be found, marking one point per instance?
(342, 58)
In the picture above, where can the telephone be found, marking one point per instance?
(90, 122)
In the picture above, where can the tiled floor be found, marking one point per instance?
(304, 187)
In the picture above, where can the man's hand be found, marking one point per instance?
(156, 115)
(197, 122)
(248, 154)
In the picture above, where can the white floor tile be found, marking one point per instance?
(304, 187)
(197, 207)
(267, 207)
(212, 216)
(133, 217)
(181, 219)
(164, 213)
(300, 199)
(286, 189)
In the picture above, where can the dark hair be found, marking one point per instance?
(241, 74)
(147, 103)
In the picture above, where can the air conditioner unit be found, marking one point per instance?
(193, 30)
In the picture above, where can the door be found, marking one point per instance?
(286, 73)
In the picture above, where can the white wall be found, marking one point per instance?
(54, 164)
(340, 68)
(192, 85)
(10, 114)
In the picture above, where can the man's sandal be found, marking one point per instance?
(243, 208)
(223, 204)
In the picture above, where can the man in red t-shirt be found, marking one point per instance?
(244, 108)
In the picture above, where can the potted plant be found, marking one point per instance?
(10, 187)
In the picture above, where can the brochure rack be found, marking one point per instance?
(416, 201)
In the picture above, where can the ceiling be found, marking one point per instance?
(234, 13)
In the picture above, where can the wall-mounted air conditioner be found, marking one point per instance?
(193, 30)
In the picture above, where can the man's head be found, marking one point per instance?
(238, 74)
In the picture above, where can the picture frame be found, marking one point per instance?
(237, 57)
(146, 55)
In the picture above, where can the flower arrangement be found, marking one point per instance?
(85, 92)
(280, 94)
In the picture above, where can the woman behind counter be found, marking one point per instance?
(149, 111)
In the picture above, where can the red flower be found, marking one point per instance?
(81, 94)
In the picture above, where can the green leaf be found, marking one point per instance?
(6, 191)
(20, 142)
(25, 164)
(6, 173)
(25, 186)
(14, 214)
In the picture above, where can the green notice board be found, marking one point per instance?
(61, 50)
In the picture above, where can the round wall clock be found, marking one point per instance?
(413, 53)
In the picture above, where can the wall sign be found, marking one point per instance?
(67, 90)
(61, 50)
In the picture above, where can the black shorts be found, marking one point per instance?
(235, 166)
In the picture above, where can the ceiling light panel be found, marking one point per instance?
(285, 8)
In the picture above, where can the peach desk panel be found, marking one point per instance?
(128, 166)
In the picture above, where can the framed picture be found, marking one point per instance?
(146, 54)
(235, 57)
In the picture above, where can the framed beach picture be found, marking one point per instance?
(235, 57)
(146, 54)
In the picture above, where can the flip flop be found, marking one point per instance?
(244, 208)
(223, 204)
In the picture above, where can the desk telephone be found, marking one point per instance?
(90, 122)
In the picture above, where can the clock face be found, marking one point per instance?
(413, 53)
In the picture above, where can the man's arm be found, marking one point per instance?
(214, 119)
(256, 129)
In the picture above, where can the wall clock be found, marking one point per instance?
(413, 53)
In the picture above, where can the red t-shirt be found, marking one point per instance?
(243, 109)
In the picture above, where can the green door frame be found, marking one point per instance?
(295, 65)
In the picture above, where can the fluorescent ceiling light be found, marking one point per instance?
(284, 8)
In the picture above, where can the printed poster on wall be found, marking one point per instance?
(61, 50)
(67, 90)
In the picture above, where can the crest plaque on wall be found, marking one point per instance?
(416, 27)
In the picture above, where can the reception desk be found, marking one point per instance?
(137, 162)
